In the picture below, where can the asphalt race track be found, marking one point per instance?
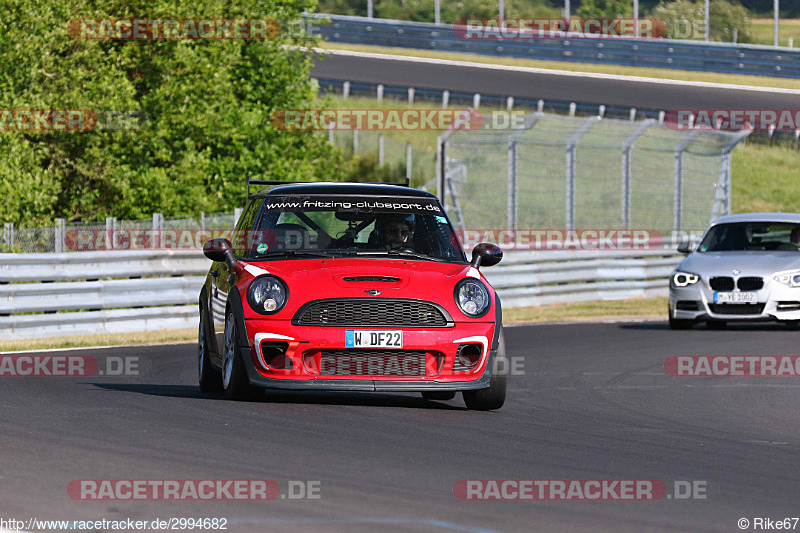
(573, 88)
(594, 403)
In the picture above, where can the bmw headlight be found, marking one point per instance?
(790, 278)
(683, 279)
(267, 295)
(472, 297)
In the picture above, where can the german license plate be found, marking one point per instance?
(735, 297)
(367, 338)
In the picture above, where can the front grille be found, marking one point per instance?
(721, 283)
(372, 279)
(371, 312)
(686, 305)
(750, 283)
(737, 309)
(372, 363)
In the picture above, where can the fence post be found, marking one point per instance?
(572, 107)
(346, 90)
(8, 235)
(509, 104)
(572, 144)
(677, 202)
(445, 98)
(410, 97)
(626, 169)
(408, 161)
(380, 150)
(330, 133)
(158, 225)
(476, 100)
(512, 185)
(58, 236)
(380, 92)
(111, 229)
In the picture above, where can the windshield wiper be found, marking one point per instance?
(291, 253)
(400, 253)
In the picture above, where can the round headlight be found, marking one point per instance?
(267, 295)
(472, 297)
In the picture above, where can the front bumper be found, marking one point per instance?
(775, 302)
(304, 343)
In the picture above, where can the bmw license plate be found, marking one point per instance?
(365, 338)
(735, 297)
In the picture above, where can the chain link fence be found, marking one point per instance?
(571, 172)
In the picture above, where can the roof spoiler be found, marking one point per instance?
(404, 183)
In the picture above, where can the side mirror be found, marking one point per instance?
(486, 254)
(219, 250)
(685, 247)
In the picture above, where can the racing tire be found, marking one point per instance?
(494, 396)
(677, 323)
(716, 324)
(209, 378)
(439, 396)
(235, 382)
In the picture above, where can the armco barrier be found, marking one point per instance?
(79, 293)
(660, 53)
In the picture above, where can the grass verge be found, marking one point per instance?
(116, 339)
(635, 308)
(666, 74)
(763, 31)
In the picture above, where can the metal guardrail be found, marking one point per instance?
(728, 58)
(82, 293)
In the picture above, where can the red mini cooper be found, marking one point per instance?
(350, 287)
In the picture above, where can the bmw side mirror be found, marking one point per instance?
(486, 254)
(685, 247)
(219, 250)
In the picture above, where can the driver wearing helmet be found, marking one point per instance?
(394, 231)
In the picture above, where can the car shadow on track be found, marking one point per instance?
(371, 399)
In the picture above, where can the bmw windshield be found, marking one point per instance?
(752, 237)
(302, 226)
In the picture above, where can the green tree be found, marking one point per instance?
(604, 9)
(686, 19)
(208, 106)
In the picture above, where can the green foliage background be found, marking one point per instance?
(209, 105)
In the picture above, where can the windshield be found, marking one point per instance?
(352, 225)
(752, 237)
